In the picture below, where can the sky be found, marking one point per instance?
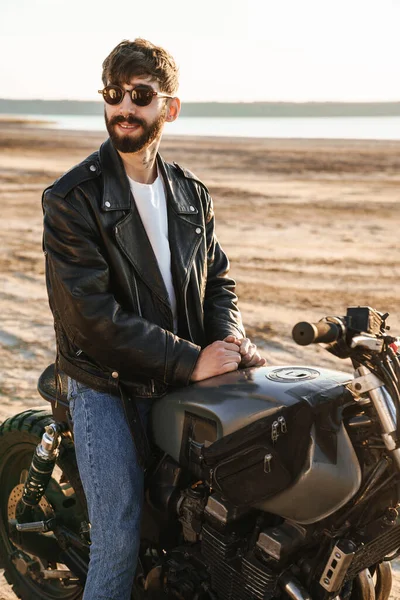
(227, 50)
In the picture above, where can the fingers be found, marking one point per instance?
(233, 340)
(232, 357)
(250, 357)
(220, 348)
(246, 346)
(226, 345)
(219, 357)
(231, 348)
(253, 358)
(227, 354)
(230, 366)
(248, 352)
(257, 361)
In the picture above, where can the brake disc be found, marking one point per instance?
(15, 498)
(27, 564)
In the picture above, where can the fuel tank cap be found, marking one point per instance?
(286, 374)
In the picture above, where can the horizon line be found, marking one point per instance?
(250, 102)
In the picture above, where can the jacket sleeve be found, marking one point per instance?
(79, 280)
(221, 314)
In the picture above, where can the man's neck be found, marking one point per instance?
(141, 166)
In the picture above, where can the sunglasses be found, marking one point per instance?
(141, 95)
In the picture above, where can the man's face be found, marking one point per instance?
(133, 128)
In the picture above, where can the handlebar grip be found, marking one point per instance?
(315, 333)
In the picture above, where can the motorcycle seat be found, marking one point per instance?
(50, 390)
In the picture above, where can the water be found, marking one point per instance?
(362, 128)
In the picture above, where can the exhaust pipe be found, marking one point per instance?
(293, 588)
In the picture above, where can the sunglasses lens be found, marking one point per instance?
(142, 95)
(112, 94)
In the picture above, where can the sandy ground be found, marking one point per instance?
(311, 227)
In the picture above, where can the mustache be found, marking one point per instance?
(130, 119)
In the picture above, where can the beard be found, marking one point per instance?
(128, 144)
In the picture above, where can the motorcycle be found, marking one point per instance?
(271, 482)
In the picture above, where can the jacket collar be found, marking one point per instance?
(178, 196)
(116, 189)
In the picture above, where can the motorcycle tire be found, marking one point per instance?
(19, 437)
(374, 583)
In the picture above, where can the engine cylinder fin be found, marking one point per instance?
(233, 576)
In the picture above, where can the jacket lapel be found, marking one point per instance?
(130, 233)
(116, 190)
(185, 228)
(134, 243)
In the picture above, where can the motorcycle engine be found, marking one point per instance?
(240, 553)
(238, 550)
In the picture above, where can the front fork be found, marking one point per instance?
(365, 386)
(366, 382)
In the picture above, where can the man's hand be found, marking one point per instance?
(250, 356)
(217, 358)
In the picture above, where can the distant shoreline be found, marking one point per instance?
(16, 120)
(67, 138)
(214, 109)
(357, 128)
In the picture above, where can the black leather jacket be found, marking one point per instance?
(112, 316)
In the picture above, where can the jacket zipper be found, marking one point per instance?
(186, 282)
(137, 297)
(186, 313)
(140, 315)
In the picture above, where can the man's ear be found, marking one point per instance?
(174, 109)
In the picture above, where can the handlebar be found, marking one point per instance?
(358, 321)
(305, 333)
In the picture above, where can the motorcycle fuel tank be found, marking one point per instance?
(232, 401)
(219, 406)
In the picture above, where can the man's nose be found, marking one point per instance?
(127, 106)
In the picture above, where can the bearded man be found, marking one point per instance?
(139, 289)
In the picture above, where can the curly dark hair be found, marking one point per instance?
(141, 57)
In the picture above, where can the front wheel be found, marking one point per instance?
(35, 574)
(371, 584)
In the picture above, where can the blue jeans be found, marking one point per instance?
(113, 483)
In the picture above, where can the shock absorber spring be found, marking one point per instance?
(42, 466)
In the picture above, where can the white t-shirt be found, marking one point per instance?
(151, 203)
